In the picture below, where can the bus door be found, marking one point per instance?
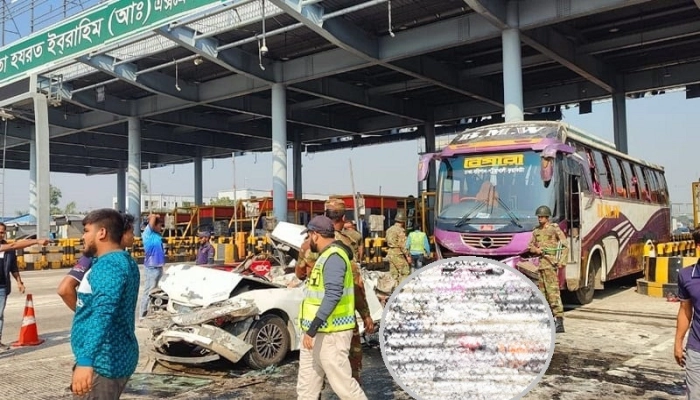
(573, 203)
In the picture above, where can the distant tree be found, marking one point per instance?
(54, 199)
(223, 201)
(20, 213)
(54, 195)
(71, 208)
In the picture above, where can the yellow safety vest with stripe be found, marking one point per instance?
(416, 242)
(342, 318)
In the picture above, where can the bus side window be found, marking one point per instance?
(653, 185)
(643, 185)
(663, 189)
(603, 175)
(617, 177)
(632, 182)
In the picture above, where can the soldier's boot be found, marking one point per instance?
(559, 325)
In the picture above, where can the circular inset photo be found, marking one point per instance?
(467, 328)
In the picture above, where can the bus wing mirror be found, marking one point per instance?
(424, 165)
(547, 169)
(547, 163)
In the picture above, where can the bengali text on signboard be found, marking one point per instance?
(107, 23)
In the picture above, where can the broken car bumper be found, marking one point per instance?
(208, 337)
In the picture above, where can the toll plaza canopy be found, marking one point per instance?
(199, 74)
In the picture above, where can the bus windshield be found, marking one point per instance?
(498, 188)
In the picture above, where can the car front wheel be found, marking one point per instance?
(270, 340)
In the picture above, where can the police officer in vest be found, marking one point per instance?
(327, 317)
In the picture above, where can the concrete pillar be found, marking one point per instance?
(512, 67)
(619, 104)
(429, 131)
(43, 173)
(198, 181)
(279, 152)
(121, 189)
(431, 182)
(134, 172)
(32, 175)
(297, 165)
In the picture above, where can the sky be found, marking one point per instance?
(660, 130)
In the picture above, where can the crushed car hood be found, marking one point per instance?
(198, 286)
(289, 234)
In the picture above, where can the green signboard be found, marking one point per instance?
(86, 32)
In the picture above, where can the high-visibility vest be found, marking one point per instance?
(342, 318)
(417, 239)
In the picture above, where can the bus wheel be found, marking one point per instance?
(584, 295)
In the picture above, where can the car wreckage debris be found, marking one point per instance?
(230, 308)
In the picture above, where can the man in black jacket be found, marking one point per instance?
(9, 267)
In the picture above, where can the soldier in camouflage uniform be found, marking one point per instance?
(335, 210)
(398, 255)
(549, 243)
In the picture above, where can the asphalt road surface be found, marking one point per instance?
(619, 346)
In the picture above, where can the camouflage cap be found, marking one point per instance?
(335, 205)
(400, 216)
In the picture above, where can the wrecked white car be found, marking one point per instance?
(211, 313)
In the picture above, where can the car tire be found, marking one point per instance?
(270, 340)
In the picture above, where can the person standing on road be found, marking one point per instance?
(352, 226)
(398, 256)
(9, 267)
(418, 245)
(335, 210)
(205, 253)
(69, 284)
(102, 335)
(154, 259)
(327, 318)
(689, 318)
(549, 243)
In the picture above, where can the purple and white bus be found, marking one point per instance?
(492, 179)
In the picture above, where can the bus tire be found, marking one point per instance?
(584, 294)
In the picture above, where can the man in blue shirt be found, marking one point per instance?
(102, 336)
(69, 284)
(154, 259)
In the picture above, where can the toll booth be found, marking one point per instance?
(379, 205)
(245, 216)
